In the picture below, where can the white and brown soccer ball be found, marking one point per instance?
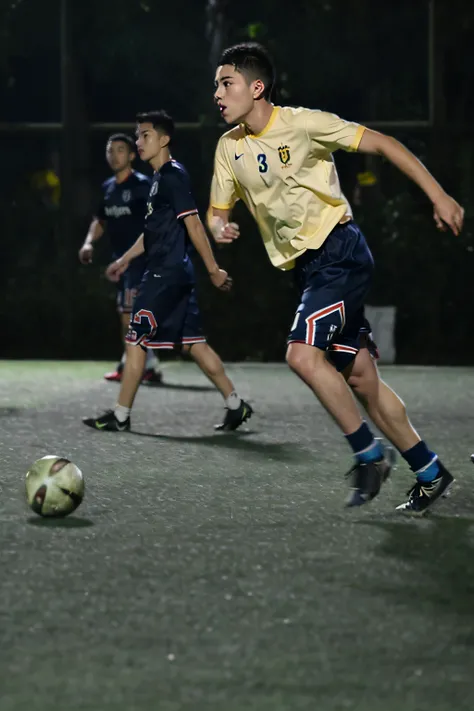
(54, 486)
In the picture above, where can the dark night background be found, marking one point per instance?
(404, 67)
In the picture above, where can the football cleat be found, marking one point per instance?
(234, 418)
(424, 493)
(115, 376)
(107, 422)
(367, 478)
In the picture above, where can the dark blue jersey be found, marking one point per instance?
(123, 207)
(166, 239)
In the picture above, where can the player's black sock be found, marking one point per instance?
(422, 461)
(365, 447)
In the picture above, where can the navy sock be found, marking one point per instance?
(422, 461)
(364, 446)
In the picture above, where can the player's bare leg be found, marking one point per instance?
(329, 386)
(370, 468)
(384, 407)
(212, 367)
(238, 411)
(132, 375)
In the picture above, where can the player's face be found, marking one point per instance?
(149, 141)
(234, 96)
(119, 156)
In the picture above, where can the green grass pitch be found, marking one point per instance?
(220, 572)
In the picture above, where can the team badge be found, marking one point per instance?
(284, 153)
(126, 196)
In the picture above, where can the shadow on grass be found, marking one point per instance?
(10, 411)
(440, 551)
(178, 386)
(282, 451)
(71, 522)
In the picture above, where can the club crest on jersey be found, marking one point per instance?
(284, 153)
(126, 195)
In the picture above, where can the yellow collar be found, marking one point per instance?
(270, 122)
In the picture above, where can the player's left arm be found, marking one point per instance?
(446, 210)
(177, 188)
(197, 235)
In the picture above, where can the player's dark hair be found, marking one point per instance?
(160, 120)
(124, 138)
(253, 61)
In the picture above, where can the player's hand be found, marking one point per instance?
(115, 270)
(448, 213)
(225, 233)
(85, 253)
(221, 280)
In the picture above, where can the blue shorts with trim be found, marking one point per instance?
(127, 287)
(333, 281)
(165, 313)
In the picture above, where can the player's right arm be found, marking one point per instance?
(115, 270)
(223, 198)
(223, 231)
(95, 232)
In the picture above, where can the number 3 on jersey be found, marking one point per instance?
(262, 162)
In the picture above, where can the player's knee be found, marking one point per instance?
(301, 357)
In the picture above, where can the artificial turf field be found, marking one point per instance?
(221, 572)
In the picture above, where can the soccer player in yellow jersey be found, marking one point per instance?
(278, 161)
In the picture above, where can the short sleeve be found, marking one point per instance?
(333, 132)
(223, 193)
(177, 189)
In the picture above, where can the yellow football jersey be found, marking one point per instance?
(287, 178)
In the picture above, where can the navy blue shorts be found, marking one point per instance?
(127, 287)
(165, 313)
(333, 281)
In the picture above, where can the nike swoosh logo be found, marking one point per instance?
(157, 276)
(100, 425)
(238, 156)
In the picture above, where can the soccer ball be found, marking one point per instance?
(54, 486)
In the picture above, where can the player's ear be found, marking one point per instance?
(164, 140)
(133, 155)
(258, 87)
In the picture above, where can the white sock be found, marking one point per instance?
(233, 401)
(151, 360)
(122, 413)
